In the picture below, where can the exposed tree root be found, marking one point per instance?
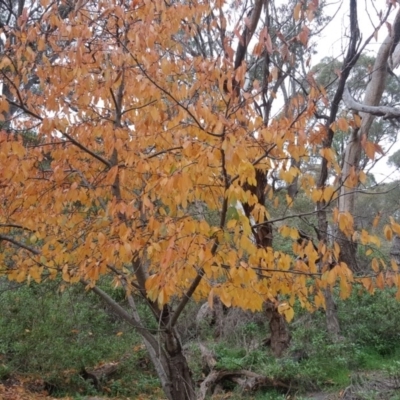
(247, 380)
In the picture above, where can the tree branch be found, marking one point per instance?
(19, 244)
(124, 315)
(378, 111)
(86, 150)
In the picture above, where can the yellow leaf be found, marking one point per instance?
(328, 154)
(4, 105)
(296, 11)
(5, 62)
(316, 195)
(101, 238)
(357, 120)
(328, 193)
(362, 177)
(286, 310)
(289, 314)
(225, 298)
(231, 223)
(395, 226)
(345, 288)
(369, 149)
(388, 232)
(336, 250)
(398, 294)
(332, 275)
(36, 273)
(367, 283)
(380, 282)
(375, 265)
(376, 220)
(18, 149)
(294, 234)
(343, 124)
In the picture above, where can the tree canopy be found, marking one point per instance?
(142, 139)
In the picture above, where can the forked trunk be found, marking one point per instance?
(165, 352)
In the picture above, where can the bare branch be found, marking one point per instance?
(19, 244)
(378, 111)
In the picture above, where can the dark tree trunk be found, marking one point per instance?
(181, 382)
(165, 351)
(280, 336)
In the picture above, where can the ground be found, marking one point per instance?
(364, 386)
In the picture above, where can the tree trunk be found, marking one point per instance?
(332, 322)
(280, 336)
(395, 249)
(166, 353)
(352, 155)
(180, 376)
(350, 60)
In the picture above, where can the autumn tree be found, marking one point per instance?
(137, 111)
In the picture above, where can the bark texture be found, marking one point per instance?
(280, 336)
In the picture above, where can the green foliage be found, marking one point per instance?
(372, 321)
(394, 159)
(55, 335)
(229, 358)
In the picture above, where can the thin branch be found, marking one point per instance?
(15, 226)
(288, 271)
(124, 315)
(86, 150)
(164, 151)
(19, 244)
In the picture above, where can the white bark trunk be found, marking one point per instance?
(353, 149)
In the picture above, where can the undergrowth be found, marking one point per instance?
(55, 335)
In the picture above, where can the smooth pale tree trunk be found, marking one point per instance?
(332, 321)
(353, 149)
